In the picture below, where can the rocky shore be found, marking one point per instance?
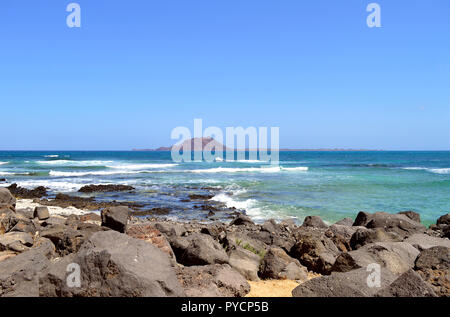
(42, 241)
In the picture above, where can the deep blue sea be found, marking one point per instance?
(332, 185)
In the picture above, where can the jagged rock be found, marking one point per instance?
(7, 200)
(241, 220)
(116, 218)
(350, 284)
(423, 241)
(105, 188)
(366, 236)
(341, 235)
(11, 221)
(276, 264)
(411, 215)
(16, 241)
(19, 274)
(197, 249)
(398, 223)
(314, 250)
(396, 257)
(113, 264)
(409, 284)
(41, 213)
(245, 262)
(345, 222)
(212, 281)
(314, 221)
(152, 235)
(433, 265)
(21, 192)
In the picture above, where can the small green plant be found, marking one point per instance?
(238, 242)
(261, 253)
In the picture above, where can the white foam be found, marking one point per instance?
(299, 168)
(93, 173)
(53, 210)
(50, 156)
(74, 163)
(3, 163)
(273, 169)
(440, 170)
(140, 166)
(56, 185)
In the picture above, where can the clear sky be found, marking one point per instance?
(136, 69)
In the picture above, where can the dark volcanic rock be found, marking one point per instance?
(314, 221)
(276, 264)
(197, 249)
(314, 250)
(16, 241)
(152, 235)
(245, 262)
(398, 223)
(153, 211)
(349, 284)
(105, 188)
(6, 199)
(20, 192)
(41, 213)
(116, 218)
(366, 236)
(433, 265)
(444, 220)
(409, 284)
(212, 281)
(114, 264)
(396, 257)
(242, 220)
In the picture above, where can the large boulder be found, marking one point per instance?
(424, 241)
(366, 236)
(12, 221)
(345, 222)
(396, 257)
(6, 199)
(198, 249)
(116, 218)
(444, 220)
(152, 235)
(276, 264)
(314, 221)
(409, 284)
(245, 262)
(242, 220)
(341, 235)
(19, 274)
(411, 215)
(212, 281)
(314, 250)
(433, 265)
(41, 213)
(114, 264)
(398, 223)
(350, 284)
(16, 241)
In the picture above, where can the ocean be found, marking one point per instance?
(333, 185)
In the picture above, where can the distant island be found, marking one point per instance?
(216, 144)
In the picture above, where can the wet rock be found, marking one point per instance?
(113, 264)
(105, 188)
(21, 192)
(7, 200)
(314, 221)
(212, 281)
(115, 218)
(350, 284)
(365, 236)
(41, 213)
(409, 284)
(314, 250)
(153, 211)
(200, 196)
(276, 264)
(396, 257)
(242, 220)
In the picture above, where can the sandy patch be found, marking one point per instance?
(53, 210)
(272, 288)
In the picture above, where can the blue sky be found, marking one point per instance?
(136, 69)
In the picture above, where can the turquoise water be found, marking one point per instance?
(332, 185)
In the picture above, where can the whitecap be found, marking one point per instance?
(93, 173)
(51, 156)
(140, 166)
(440, 170)
(3, 163)
(74, 163)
